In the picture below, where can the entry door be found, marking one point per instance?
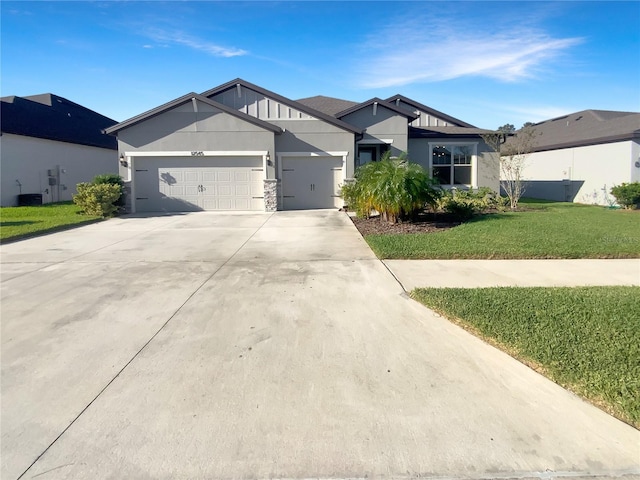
(311, 182)
(366, 155)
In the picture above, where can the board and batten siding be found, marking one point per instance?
(425, 119)
(257, 105)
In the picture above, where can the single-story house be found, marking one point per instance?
(48, 145)
(579, 157)
(239, 146)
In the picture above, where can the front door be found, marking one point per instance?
(366, 155)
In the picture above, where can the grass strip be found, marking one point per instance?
(586, 339)
(546, 230)
(22, 222)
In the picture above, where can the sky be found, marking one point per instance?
(487, 63)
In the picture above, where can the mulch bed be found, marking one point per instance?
(425, 222)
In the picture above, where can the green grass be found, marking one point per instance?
(546, 230)
(22, 222)
(586, 339)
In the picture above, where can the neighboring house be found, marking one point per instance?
(48, 145)
(242, 147)
(579, 157)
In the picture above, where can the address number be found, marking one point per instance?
(197, 154)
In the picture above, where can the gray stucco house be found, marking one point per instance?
(239, 146)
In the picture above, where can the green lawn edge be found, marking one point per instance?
(48, 231)
(585, 339)
(20, 223)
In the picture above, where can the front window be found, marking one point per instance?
(451, 164)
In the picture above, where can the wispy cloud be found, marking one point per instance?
(443, 50)
(175, 37)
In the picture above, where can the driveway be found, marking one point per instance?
(212, 345)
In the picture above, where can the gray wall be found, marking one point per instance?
(315, 136)
(385, 124)
(210, 129)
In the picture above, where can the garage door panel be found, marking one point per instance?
(203, 183)
(311, 182)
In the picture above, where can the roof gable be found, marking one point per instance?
(51, 117)
(188, 98)
(285, 101)
(381, 103)
(396, 99)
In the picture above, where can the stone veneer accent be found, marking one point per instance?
(272, 195)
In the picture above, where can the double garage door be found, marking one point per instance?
(179, 184)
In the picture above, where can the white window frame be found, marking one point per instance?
(473, 166)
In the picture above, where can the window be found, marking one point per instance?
(451, 164)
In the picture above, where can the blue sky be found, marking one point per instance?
(487, 63)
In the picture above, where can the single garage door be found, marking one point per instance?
(311, 182)
(182, 184)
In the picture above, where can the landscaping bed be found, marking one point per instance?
(539, 230)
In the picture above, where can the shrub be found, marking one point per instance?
(627, 195)
(112, 179)
(394, 188)
(97, 199)
(466, 203)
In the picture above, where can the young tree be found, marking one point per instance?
(513, 149)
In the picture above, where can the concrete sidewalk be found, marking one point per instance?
(514, 273)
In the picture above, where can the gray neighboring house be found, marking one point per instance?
(48, 145)
(580, 156)
(239, 146)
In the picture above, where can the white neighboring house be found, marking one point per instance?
(579, 157)
(48, 145)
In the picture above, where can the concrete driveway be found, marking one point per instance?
(263, 346)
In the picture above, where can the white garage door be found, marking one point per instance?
(311, 182)
(179, 184)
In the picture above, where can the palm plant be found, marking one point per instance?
(394, 188)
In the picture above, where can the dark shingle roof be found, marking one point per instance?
(187, 98)
(328, 105)
(52, 117)
(588, 127)
(428, 132)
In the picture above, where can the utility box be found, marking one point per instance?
(29, 199)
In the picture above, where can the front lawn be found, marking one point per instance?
(21, 222)
(586, 339)
(543, 230)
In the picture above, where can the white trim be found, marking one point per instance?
(318, 153)
(375, 141)
(205, 153)
(474, 161)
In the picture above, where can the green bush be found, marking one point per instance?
(466, 203)
(112, 179)
(97, 199)
(627, 195)
(394, 188)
